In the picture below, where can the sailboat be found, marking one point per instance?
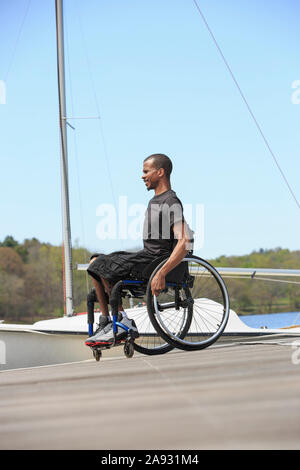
(58, 340)
(61, 340)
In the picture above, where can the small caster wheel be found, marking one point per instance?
(97, 354)
(128, 349)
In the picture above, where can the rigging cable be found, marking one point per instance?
(17, 40)
(246, 103)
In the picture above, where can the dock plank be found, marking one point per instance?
(239, 396)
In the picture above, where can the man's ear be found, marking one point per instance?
(161, 172)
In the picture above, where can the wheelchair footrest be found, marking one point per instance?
(99, 345)
(128, 344)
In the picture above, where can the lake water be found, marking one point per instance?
(272, 320)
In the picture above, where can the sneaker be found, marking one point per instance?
(106, 335)
(104, 325)
(103, 337)
(104, 320)
(129, 323)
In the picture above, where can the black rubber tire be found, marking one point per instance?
(153, 351)
(128, 349)
(97, 354)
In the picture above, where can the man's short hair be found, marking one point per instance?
(161, 161)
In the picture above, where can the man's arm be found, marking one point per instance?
(183, 246)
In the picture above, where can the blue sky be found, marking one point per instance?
(152, 69)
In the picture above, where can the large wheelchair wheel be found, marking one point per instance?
(205, 296)
(150, 342)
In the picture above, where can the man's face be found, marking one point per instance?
(151, 175)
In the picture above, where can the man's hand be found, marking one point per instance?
(158, 283)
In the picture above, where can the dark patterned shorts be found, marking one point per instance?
(119, 265)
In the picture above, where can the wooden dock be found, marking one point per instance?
(229, 396)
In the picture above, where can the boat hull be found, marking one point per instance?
(27, 348)
(62, 340)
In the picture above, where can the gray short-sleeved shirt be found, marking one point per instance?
(162, 213)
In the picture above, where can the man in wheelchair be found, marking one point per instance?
(166, 234)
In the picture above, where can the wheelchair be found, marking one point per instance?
(190, 314)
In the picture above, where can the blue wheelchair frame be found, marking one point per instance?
(114, 301)
(140, 279)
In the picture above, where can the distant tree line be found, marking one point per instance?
(270, 295)
(31, 281)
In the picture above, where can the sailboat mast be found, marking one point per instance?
(68, 282)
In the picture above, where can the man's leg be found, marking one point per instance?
(100, 294)
(101, 297)
(105, 334)
(108, 289)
